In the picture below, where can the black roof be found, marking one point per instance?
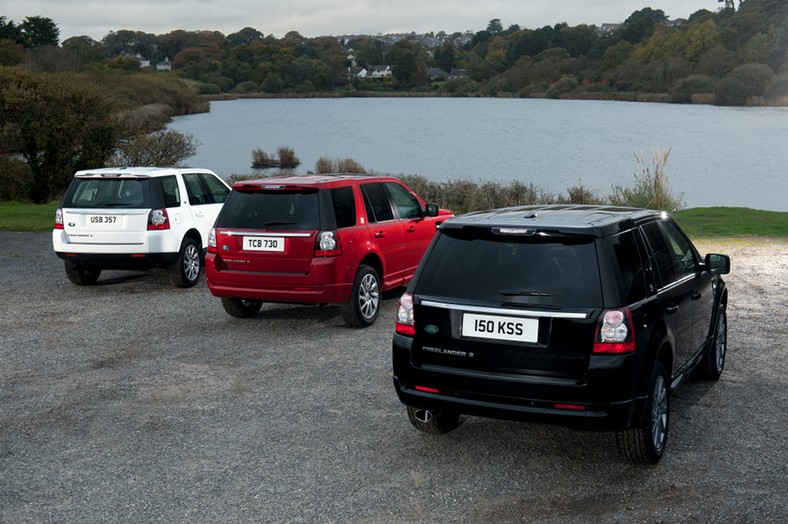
(564, 219)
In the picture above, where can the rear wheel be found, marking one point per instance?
(241, 308)
(646, 444)
(433, 421)
(186, 270)
(82, 275)
(713, 362)
(364, 305)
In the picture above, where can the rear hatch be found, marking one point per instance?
(507, 304)
(107, 209)
(268, 231)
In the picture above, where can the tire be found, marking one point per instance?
(241, 308)
(82, 275)
(713, 362)
(185, 271)
(364, 305)
(646, 444)
(432, 421)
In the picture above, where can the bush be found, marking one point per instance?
(343, 165)
(262, 160)
(287, 158)
(566, 84)
(744, 82)
(15, 179)
(651, 189)
(161, 148)
(684, 89)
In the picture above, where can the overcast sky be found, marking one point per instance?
(96, 18)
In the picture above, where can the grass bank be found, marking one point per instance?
(701, 222)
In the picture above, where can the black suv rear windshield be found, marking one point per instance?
(108, 192)
(271, 210)
(538, 271)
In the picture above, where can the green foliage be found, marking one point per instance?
(651, 189)
(338, 165)
(160, 148)
(732, 222)
(15, 179)
(683, 89)
(744, 82)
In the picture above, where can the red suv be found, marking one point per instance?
(318, 239)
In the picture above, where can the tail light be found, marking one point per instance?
(327, 244)
(614, 333)
(158, 220)
(212, 240)
(59, 219)
(406, 324)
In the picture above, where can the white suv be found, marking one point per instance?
(137, 218)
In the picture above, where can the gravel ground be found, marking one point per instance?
(132, 401)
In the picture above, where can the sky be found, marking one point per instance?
(311, 18)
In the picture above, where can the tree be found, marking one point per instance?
(748, 80)
(38, 31)
(641, 24)
(57, 126)
(8, 30)
(494, 26)
(246, 35)
(161, 148)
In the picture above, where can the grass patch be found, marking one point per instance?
(18, 216)
(714, 222)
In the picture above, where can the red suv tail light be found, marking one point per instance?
(59, 219)
(614, 333)
(158, 220)
(406, 324)
(327, 244)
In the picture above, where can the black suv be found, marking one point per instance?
(586, 316)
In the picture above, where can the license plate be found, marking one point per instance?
(516, 329)
(276, 244)
(103, 220)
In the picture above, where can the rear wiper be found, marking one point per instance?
(524, 293)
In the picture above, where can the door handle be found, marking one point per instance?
(380, 234)
(411, 229)
(200, 214)
(672, 310)
(695, 295)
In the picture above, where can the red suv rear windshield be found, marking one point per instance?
(271, 210)
(512, 270)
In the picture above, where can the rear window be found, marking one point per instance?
(127, 193)
(512, 270)
(271, 210)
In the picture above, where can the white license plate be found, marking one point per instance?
(103, 220)
(276, 244)
(516, 329)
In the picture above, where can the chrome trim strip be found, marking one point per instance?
(249, 234)
(503, 312)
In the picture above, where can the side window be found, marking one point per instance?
(680, 249)
(218, 191)
(194, 189)
(631, 275)
(344, 206)
(407, 205)
(172, 195)
(663, 262)
(376, 203)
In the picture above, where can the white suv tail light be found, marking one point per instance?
(59, 219)
(158, 220)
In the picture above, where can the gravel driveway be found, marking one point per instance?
(133, 401)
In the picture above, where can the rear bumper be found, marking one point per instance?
(604, 400)
(120, 261)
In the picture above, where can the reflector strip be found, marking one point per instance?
(427, 390)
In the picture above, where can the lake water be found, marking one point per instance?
(734, 157)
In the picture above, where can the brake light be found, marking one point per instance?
(327, 244)
(212, 240)
(158, 220)
(406, 324)
(59, 219)
(614, 333)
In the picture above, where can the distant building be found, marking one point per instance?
(606, 29)
(164, 65)
(379, 71)
(436, 73)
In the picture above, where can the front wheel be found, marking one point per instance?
(433, 421)
(713, 363)
(185, 271)
(241, 308)
(646, 444)
(82, 275)
(364, 305)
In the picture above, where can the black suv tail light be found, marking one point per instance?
(327, 244)
(406, 324)
(158, 220)
(614, 333)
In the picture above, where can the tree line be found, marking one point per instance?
(84, 103)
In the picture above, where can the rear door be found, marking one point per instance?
(206, 194)
(418, 229)
(387, 233)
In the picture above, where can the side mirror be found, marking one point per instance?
(432, 210)
(719, 264)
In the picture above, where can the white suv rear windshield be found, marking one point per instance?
(108, 192)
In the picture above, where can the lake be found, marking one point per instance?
(719, 156)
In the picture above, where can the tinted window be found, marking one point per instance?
(680, 249)
(170, 190)
(108, 192)
(629, 272)
(271, 210)
(517, 270)
(376, 203)
(197, 194)
(673, 255)
(407, 205)
(344, 206)
(218, 192)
